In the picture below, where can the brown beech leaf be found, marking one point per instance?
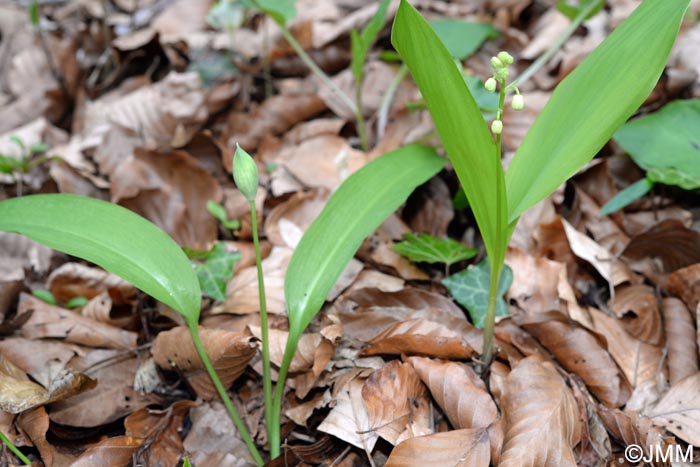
(72, 280)
(110, 452)
(429, 209)
(43, 360)
(679, 408)
(48, 321)
(299, 211)
(35, 423)
(535, 279)
(160, 430)
(583, 353)
(458, 391)
(456, 448)
(638, 310)
(313, 351)
(397, 403)
(100, 309)
(420, 337)
(681, 340)
(542, 421)
(349, 419)
(685, 283)
(669, 241)
(171, 190)
(229, 352)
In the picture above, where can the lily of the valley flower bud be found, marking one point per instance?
(505, 57)
(245, 173)
(501, 74)
(518, 102)
(496, 63)
(490, 85)
(497, 127)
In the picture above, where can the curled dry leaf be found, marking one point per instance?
(670, 242)
(456, 448)
(541, 411)
(429, 209)
(43, 360)
(48, 321)
(583, 353)
(420, 337)
(110, 452)
(458, 391)
(229, 352)
(678, 410)
(35, 424)
(72, 280)
(397, 403)
(299, 211)
(638, 309)
(681, 340)
(100, 309)
(685, 283)
(535, 279)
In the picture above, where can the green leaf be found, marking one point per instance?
(76, 302)
(216, 271)
(219, 212)
(45, 296)
(572, 11)
(356, 209)
(471, 290)
(362, 42)
(112, 237)
(627, 196)
(226, 15)
(33, 9)
(666, 143)
(463, 38)
(428, 249)
(487, 101)
(459, 123)
(592, 102)
(280, 10)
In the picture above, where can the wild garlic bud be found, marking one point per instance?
(497, 127)
(245, 173)
(490, 84)
(518, 102)
(505, 57)
(496, 63)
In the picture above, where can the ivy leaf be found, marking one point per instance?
(216, 271)
(428, 249)
(471, 290)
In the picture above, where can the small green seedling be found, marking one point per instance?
(580, 117)
(219, 212)
(216, 271)
(428, 249)
(30, 158)
(45, 296)
(76, 302)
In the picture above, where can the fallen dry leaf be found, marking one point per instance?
(632, 428)
(681, 340)
(685, 283)
(35, 423)
(638, 309)
(229, 352)
(397, 403)
(678, 410)
(539, 410)
(110, 452)
(669, 242)
(456, 448)
(72, 280)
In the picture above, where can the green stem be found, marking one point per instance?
(267, 72)
(361, 129)
(383, 113)
(542, 59)
(242, 430)
(14, 449)
(267, 377)
(289, 351)
(308, 61)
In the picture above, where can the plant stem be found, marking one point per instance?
(361, 129)
(383, 113)
(289, 351)
(542, 59)
(233, 413)
(14, 449)
(308, 61)
(267, 73)
(267, 377)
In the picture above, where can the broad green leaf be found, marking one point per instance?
(112, 237)
(667, 142)
(361, 203)
(627, 196)
(459, 123)
(216, 271)
(470, 288)
(593, 102)
(572, 11)
(219, 212)
(463, 38)
(361, 43)
(428, 249)
(280, 10)
(487, 101)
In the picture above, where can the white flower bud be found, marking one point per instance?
(496, 63)
(497, 127)
(518, 102)
(505, 57)
(501, 74)
(490, 85)
(245, 173)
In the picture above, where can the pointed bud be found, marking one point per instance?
(518, 102)
(496, 63)
(245, 173)
(497, 127)
(490, 85)
(505, 57)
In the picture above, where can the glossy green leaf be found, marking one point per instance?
(572, 11)
(280, 10)
(356, 209)
(666, 139)
(459, 123)
(463, 38)
(487, 101)
(216, 271)
(112, 237)
(593, 102)
(428, 249)
(671, 176)
(470, 288)
(627, 196)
